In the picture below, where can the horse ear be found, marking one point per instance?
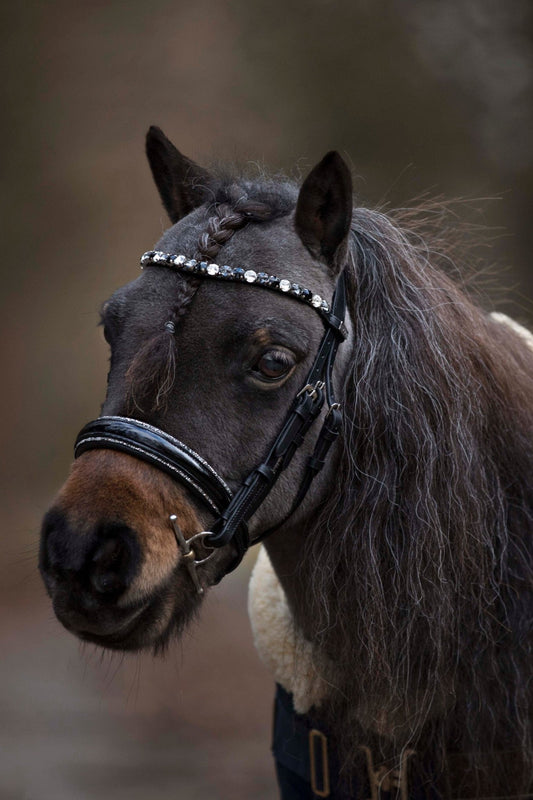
(182, 184)
(324, 209)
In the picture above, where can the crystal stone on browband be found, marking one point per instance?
(204, 268)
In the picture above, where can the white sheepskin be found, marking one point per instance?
(524, 334)
(280, 645)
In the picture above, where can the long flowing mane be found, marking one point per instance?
(421, 559)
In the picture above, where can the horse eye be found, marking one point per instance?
(273, 365)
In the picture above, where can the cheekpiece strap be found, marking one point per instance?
(306, 407)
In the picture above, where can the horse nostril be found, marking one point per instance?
(113, 564)
(57, 556)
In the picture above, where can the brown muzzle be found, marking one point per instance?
(108, 555)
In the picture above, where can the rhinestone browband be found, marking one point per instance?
(157, 258)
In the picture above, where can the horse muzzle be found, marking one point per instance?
(109, 556)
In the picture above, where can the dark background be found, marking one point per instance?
(419, 95)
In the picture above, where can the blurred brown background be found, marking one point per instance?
(418, 95)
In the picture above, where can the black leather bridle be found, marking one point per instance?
(232, 511)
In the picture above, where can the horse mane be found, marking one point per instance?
(420, 562)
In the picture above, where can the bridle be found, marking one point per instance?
(232, 511)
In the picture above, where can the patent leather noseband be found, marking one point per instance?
(232, 511)
(158, 448)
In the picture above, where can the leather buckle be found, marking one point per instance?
(319, 778)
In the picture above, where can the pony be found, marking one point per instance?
(405, 570)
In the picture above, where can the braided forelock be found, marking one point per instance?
(231, 215)
(220, 229)
(151, 375)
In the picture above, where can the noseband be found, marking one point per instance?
(232, 511)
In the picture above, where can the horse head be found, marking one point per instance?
(211, 357)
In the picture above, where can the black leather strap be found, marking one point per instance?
(261, 480)
(159, 449)
(328, 434)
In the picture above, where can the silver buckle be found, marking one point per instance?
(187, 552)
(312, 390)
